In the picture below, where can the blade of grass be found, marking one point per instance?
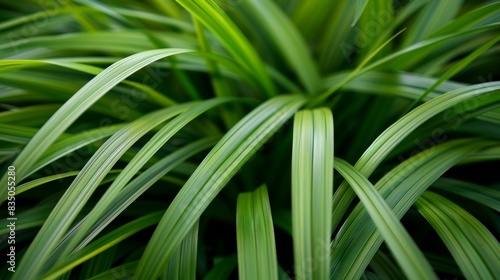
(232, 151)
(405, 251)
(109, 240)
(182, 263)
(483, 195)
(80, 17)
(359, 69)
(70, 144)
(288, 41)
(124, 271)
(142, 157)
(394, 15)
(384, 266)
(16, 133)
(32, 116)
(312, 189)
(116, 204)
(433, 16)
(415, 53)
(82, 188)
(474, 18)
(78, 104)
(152, 94)
(334, 40)
(406, 85)
(214, 18)
(378, 16)
(125, 42)
(358, 239)
(360, 7)
(99, 263)
(33, 217)
(393, 135)
(44, 180)
(471, 244)
(453, 70)
(257, 257)
(221, 87)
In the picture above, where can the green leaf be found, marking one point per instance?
(78, 104)
(29, 116)
(455, 69)
(102, 244)
(471, 244)
(82, 188)
(70, 144)
(376, 25)
(384, 266)
(334, 44)
(404, 249)
(139, 160)
(99, 263)
(124, 271)
(288, 41)
(396, 133)
(31, 218)
(360, 7)
(414, 53)
(110, 206)
(255, 235)
(354, 73)
(358, 239)
(433, 16)
(73, 64)
(16, 133)
(232, 151)
(312, 189)
(214, 18)
(486, 196)
(124, 42)
(474, 18)
(44, 180)
(182, 263)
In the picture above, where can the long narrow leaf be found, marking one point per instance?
(255, 235)
(406, 252)
(103, 243)
(182, 263)
(136, 187)
(358, 239)
(142, 157)
(82, 188)
(393, 135)
(234, 149)
(214, 18)
(78, 104)
(287, 39)
(472, 245)
(312, 189)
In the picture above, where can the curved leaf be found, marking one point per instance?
(234, 149)
(405, 251)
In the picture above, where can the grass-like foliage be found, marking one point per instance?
(250, 139)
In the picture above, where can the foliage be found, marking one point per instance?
(259, 139)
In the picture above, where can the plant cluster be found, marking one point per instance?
(250, 139)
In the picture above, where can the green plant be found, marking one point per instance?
(290, 139)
